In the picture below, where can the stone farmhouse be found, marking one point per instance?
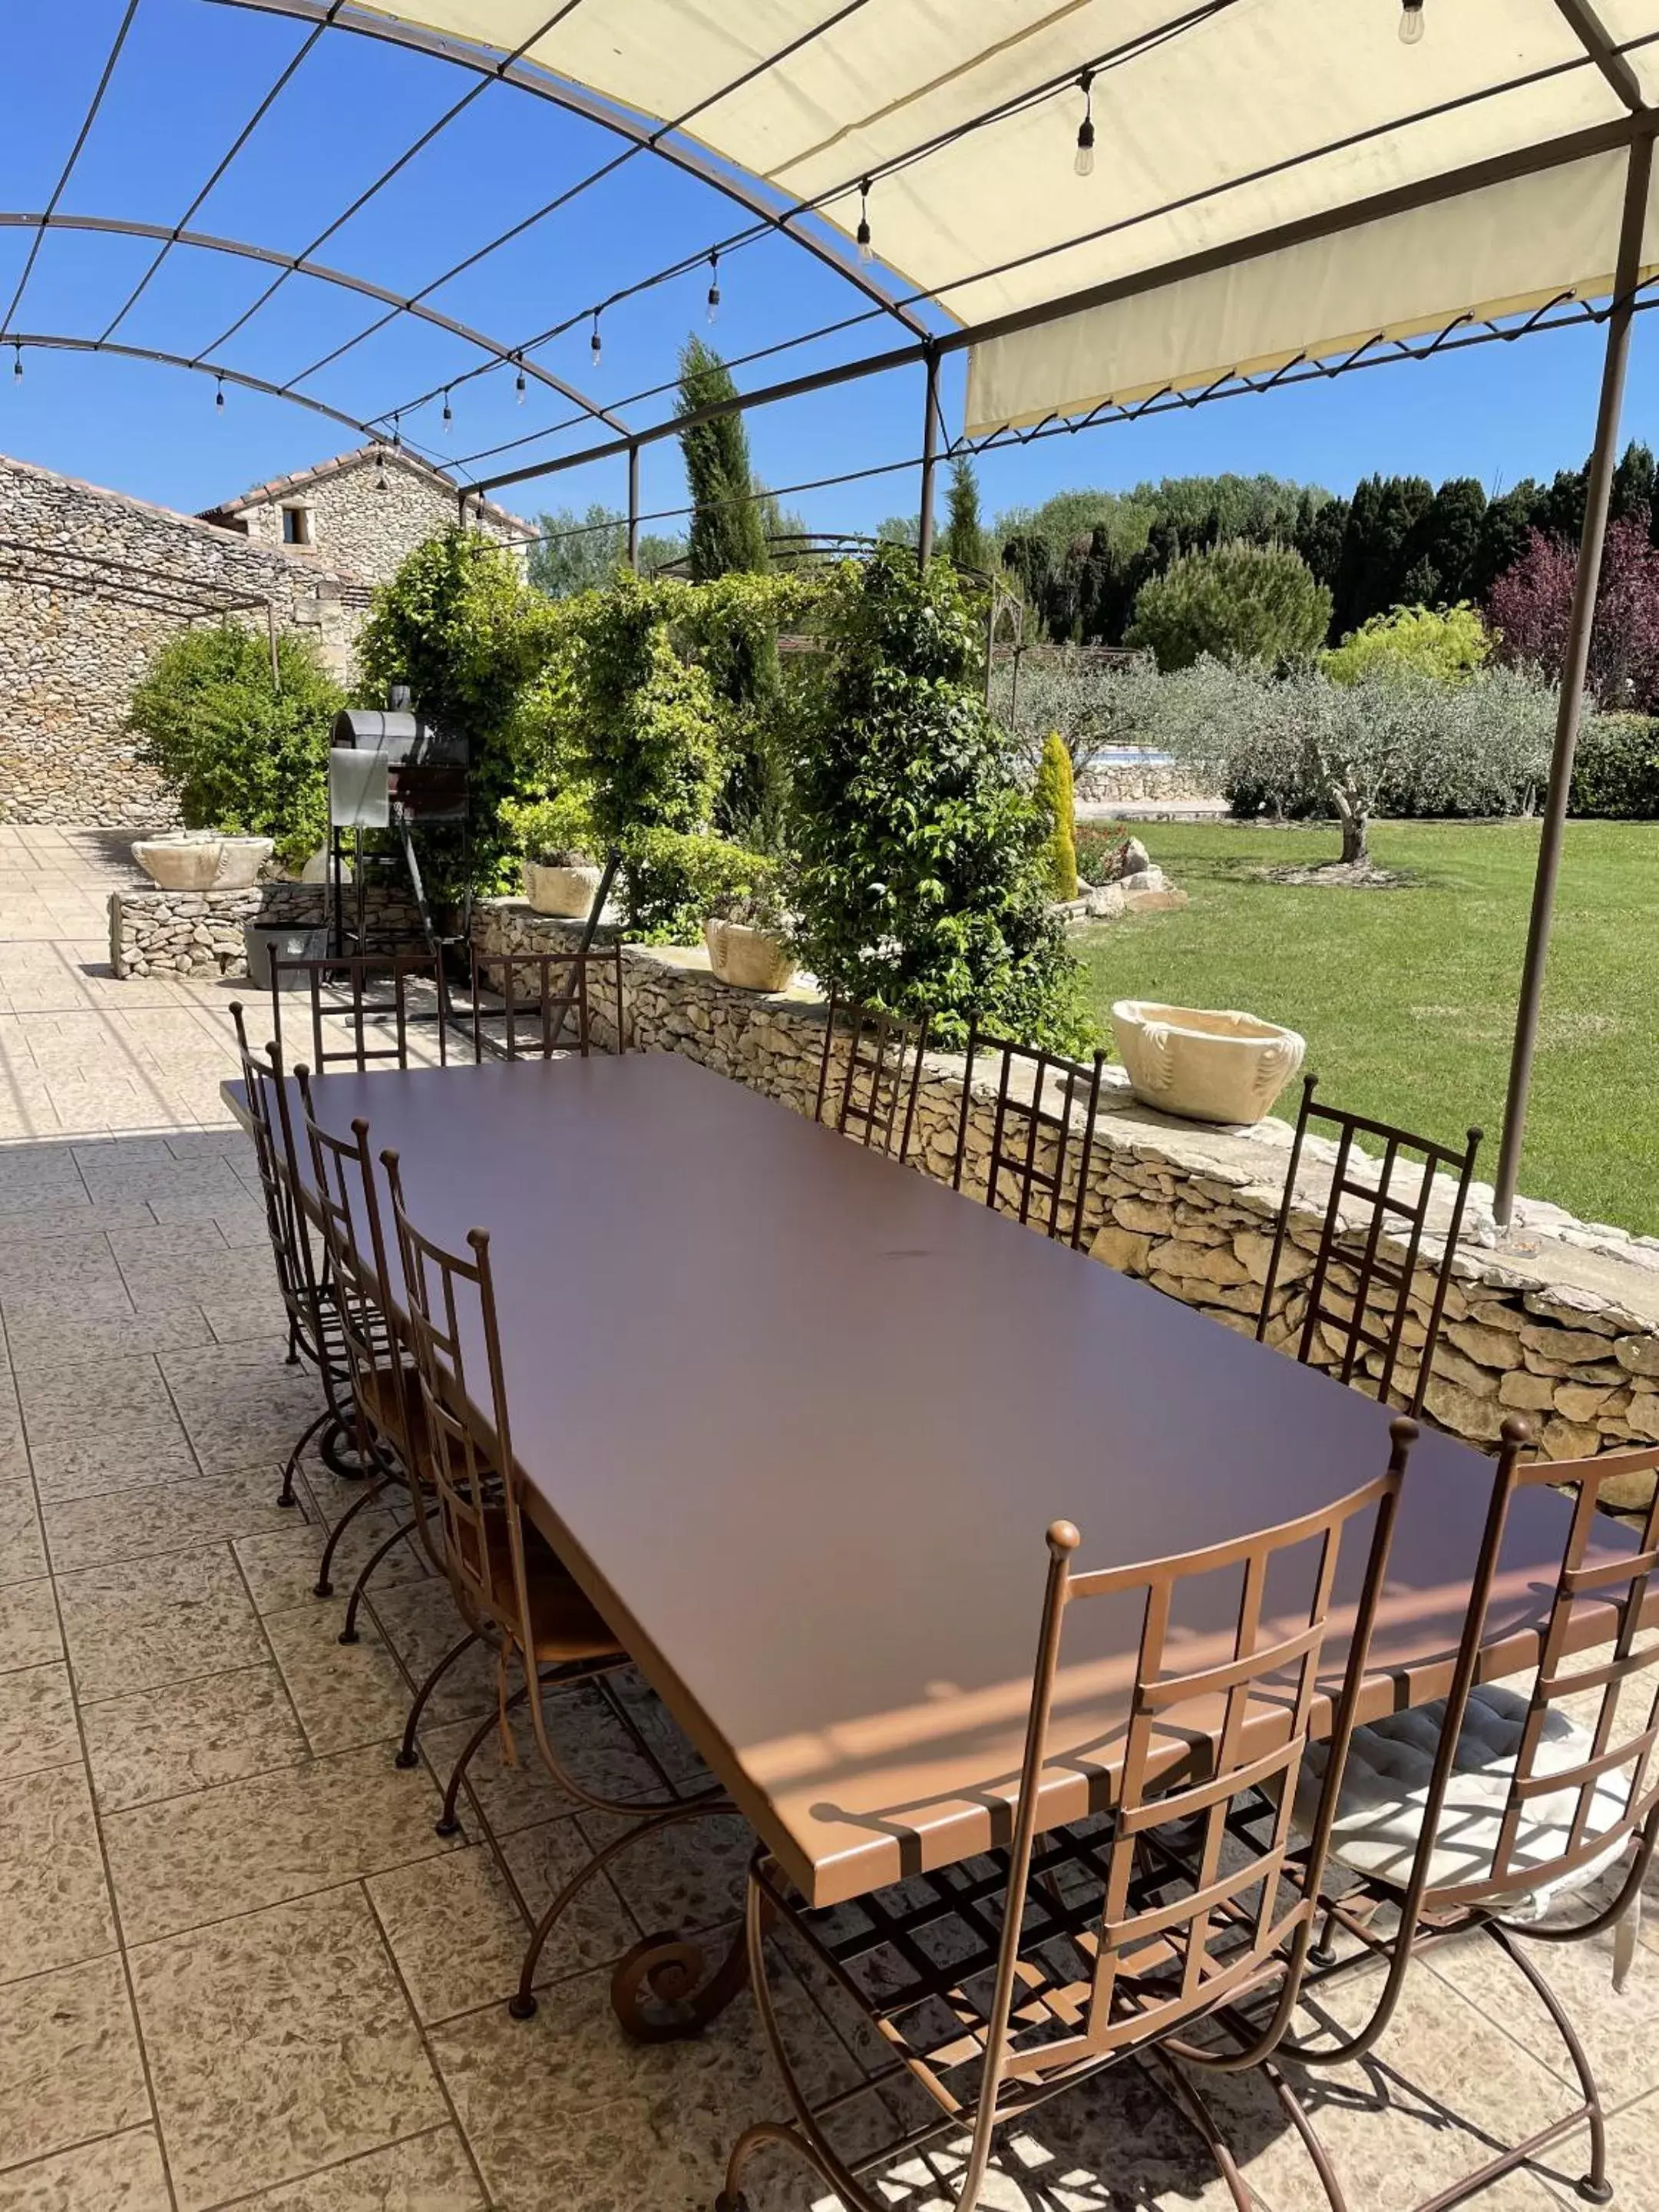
(93, 582)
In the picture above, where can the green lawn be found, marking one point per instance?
(1407, 997)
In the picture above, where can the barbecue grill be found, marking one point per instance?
(391, 769)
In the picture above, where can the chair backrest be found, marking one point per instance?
(1170, 1938)
(1599, 1802)
(298, 1274)
(355, 991)
(1358, 1292)
(547, 1000)
(454, 1333)
(348, 1208)
(1039, 1154)
(882, 1075)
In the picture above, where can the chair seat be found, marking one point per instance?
(1384, 1799)
(563, 1624)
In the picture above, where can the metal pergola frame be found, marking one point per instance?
(771, 213)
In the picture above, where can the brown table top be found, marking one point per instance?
(798, 1419)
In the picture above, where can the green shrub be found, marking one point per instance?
(243, 755)
(1055, 800)
(1245, 604)
(1615, 772)
(556, 832)
(676, 879)
(1446, 642)
(919, 878)
(1102, 847)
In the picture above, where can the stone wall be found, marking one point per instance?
(354, 525)
(1145, 782)
(159, 932)
(1562, 1324)
(74, 638)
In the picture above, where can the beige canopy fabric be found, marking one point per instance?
(1217, 123)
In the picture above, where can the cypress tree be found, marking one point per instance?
(964, 533)
(727, 531)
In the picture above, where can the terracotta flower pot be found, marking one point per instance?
(567, 891)
(753, 959)
(1202, 1065)
(188, 863)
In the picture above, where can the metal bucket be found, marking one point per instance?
(264, 941)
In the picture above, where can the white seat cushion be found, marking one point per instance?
(1385, 1790)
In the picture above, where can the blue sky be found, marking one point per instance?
(191, 74)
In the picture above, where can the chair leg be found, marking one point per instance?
(292, 1344)
(285, 1496)
(324, 1586)
(349, 1634)
(447, 1823)
(407, 1755)
(1594, 2187)
(1193, 2109)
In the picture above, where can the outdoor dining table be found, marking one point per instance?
(797, 1417)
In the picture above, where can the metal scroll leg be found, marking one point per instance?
(349, 1634)
(407, 1755)
(447, 1824)
(324, 1586)
(1594, 2187)
(285, 1495)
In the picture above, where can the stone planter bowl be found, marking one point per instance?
(240, 861)
(1202, 1065)
(753, 959)
(565, 891)
(185, 863)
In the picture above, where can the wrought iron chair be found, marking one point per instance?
(302, 1275)
(514, 1593)
(557, 1007)
(1050, 1167)
(997, 1983)
(343, 991)
(876, 1081)
(1371, 1329)
(1492, 1808)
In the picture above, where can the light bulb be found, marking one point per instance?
(518, 384)
(713, 287)
(1411, 23)
(219, 396)
(448, 415)
(17, 365)
(596, 343)
(866, 251)
(379, 477)
(1084, 161)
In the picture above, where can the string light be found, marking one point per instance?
(1411, 23)
(518, 383)
(714, 283)
(16, 363)
(1083, 160)
(449, 416)
(398, 432)
(596, 343)
(379, 475)
(219, 396)
(866, 251)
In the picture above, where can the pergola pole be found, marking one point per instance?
(929, 461)
(1574, 662)
(633, 506)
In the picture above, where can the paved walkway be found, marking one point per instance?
(237, 1966)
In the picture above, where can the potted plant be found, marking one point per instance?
(747, 937)
(556, 837)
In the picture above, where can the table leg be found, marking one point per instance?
(666, 1991)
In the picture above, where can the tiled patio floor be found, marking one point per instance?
(236, 1963)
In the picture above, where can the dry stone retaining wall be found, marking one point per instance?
(1114, 783)
(1565, 1332)
(160, 933)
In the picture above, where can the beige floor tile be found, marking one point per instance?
(426, 2173)
(70, 2069)
(133, 1625)
(691, 1875)
(108, 1426)
(40, 1341)
(459, 1936)
(171, 1517)
(22, 1553)
(37, 1720)
(192, 1735)
(54, 1901)
(1619, 2031)
(239, 1406)
(117, 2173)
(420, 1622)
(345, 1693)
(514, 1795)
(269, 1838)
(280, 1564)
(278, 2043)
(29, 1626)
